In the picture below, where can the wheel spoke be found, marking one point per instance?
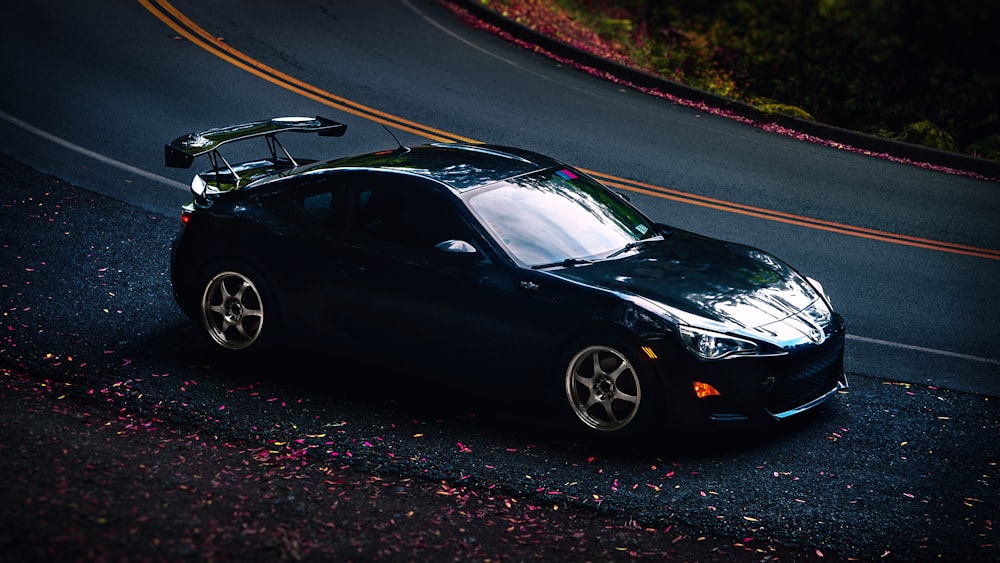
(596, 357)
(619, 394)
(257, 313)
(242, 330)
(587, 382)
(223, 290)
(622, 396)
(624, 366)
(244, 284)
(609, 411)
(592, 400)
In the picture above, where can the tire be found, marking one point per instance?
(608, 388)
(238, 310)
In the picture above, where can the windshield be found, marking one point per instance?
(557, 216)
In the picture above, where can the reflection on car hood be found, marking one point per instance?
(723, 282)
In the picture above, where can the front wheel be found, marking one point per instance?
(607, 389)
(234, 308)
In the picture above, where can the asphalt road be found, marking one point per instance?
(92, 93)
(887, 469)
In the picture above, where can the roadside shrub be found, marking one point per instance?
(925, 72)
(771, 107)
(927, 134)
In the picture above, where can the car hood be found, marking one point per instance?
(737, 286)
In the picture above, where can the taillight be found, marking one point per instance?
(185, 218)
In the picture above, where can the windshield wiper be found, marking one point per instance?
(632, 246)
(564, 263)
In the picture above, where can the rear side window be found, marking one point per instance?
(327, 203)
(317, 206)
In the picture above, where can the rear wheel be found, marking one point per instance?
(237, 310)
(607, 389)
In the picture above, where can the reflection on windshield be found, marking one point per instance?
(555, 215)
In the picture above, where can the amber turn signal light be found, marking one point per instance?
(702, 390)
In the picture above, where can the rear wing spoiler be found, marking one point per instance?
(182, 151)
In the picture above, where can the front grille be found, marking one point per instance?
(809, 380)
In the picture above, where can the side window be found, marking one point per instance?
(326, 202)
(411, 215)
(317, 206)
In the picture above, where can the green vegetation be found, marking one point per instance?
(921, 72)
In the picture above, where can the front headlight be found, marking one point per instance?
(710, 345)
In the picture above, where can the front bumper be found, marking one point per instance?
(758, 390)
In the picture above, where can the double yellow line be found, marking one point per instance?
(189, 30)
(791, 219)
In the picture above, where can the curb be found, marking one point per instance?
(988, 170)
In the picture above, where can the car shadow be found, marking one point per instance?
(443, 393)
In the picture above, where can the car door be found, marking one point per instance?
(393, 286)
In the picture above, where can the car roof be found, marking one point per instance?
(458, 166)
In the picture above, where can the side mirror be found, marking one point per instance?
(458, 250)
(665, 230)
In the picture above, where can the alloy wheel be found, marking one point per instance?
(602, 387)
(232, 310)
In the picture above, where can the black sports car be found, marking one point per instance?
(507, 262)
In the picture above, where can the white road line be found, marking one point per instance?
(87, 152)
(922, 349)
(417, 11)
